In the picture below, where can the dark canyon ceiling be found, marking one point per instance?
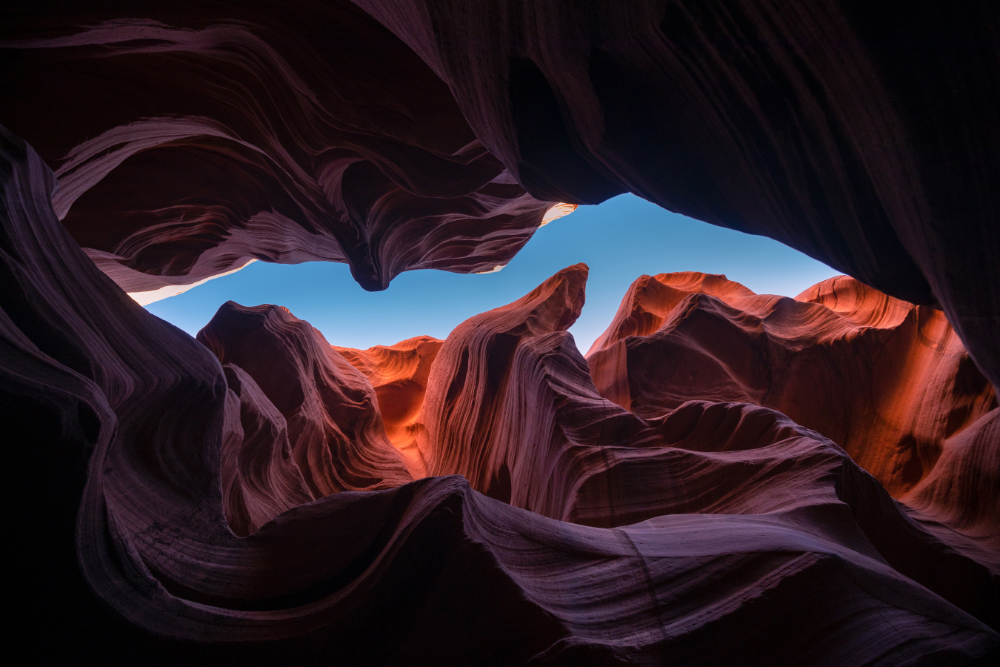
(723, 478)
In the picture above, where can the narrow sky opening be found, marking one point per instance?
(620, 240)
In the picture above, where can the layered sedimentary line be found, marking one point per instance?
(888, 381)
(399, 374)
(152, 296)
(860, 134)
(137, 443)
(146, 297)
(171, 508)
(508, 403)
(235, 136)
(405, 135)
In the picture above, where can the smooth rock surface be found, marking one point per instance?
(886, 380)
(725, 478)
(398, 134)
(748, 524)
(863, 134)
(189, 138)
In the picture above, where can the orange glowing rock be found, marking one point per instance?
(325, 426)
(399, 374)
(888, 381)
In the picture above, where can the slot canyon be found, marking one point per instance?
(722, 478)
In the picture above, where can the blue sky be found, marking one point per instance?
(620, 240)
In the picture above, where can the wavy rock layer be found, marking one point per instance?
(399, 376)
(191, 137)
(886, 380)
(510, 406)
(128, 436)
(860, 133)
(956, 500)
(327, 433)
(195, 137)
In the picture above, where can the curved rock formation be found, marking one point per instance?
(496, 497)
(127, 433)
(886, 380)
(862, 134)
(399, 375)
(191, 139)
(958, 495)
(394, 135)
(321, 433)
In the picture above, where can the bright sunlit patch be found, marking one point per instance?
(558, 211)
(151, 296)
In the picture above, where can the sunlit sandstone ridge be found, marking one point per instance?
(399, 374)
(888, 381)
(507, 402)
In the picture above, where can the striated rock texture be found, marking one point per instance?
(861, 133)
(960, 491)
(726, 478)
(886, 380)
(399, 375)
(170, 507)
(190, 138)
(327, 433)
